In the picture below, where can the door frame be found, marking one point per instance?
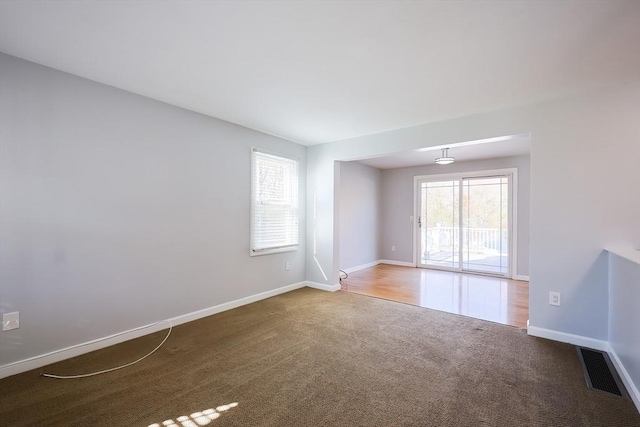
(458, 176)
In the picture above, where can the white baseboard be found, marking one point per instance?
(361, 266)
(380, 261)
(632, 389)
(83, 348)
(406, 264)
(392, 262)
(322, 287)
(568, 338)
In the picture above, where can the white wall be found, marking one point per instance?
(360, 210)
(118, 211)
(624, 318)
(397, 201)
(581, 199)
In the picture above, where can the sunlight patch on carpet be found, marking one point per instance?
(197, 418)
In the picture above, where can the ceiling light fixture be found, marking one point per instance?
(445, 159)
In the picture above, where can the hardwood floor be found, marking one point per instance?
(496, 299)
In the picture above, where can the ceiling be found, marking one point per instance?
(320, 71)
(493, 148)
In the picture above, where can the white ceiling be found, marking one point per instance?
(319, 71)
(516, 145)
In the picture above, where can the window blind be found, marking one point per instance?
(274, 216)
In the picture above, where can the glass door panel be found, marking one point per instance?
(439, 203)
(485, 225)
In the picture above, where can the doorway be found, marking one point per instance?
(465, 222)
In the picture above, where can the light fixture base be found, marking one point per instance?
(445, 159)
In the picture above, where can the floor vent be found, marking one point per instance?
(599, 372)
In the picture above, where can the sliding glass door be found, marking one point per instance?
(485, 225)
(439, 228)
(464, 223)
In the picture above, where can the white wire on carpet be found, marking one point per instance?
(66, 377)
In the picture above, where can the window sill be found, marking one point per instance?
(272, 251)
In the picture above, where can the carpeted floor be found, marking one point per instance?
(313, 358)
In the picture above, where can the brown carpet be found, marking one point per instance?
(313, 358)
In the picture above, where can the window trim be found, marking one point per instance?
(275, 249)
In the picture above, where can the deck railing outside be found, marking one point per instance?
(477, 240)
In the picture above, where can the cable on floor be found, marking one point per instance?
(340, 278)
(67, 377)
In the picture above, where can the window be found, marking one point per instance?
(274, 203)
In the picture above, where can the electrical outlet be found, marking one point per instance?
(393, 248)
(10, 321)
(554, 298)
(287, 265)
